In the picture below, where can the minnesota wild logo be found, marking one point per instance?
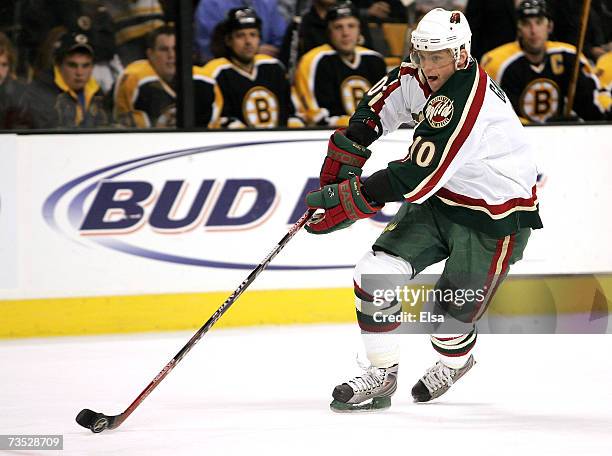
(439, 111)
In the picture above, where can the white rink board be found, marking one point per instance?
(57, 259)
(8, 211)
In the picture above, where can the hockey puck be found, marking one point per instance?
(89, 419)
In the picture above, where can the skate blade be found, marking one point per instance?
(375, 405)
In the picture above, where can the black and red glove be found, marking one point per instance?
(345, 159)
(344, 203)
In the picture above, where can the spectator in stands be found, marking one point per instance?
(492, 24)
(145, 94)
(209, 13)
(254, 88)
(312, 32)
(11, 90)
(67, 95)
(133, 21)
(331, 79)
(535, 72)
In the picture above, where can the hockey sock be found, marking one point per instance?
(381, 349)
(378, 313)
(454, 350)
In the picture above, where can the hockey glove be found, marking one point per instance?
(344, 160)
(344, 203)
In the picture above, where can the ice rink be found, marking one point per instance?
(267, 390)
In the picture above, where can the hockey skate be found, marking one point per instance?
(368, 392)
(438, 379)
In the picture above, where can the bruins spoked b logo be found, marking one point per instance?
(439, 111)
(260, 108)
(352, 90)
(540, 100)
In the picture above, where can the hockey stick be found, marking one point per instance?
(571, 89)
(98, 422)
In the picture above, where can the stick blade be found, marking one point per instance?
(96, 422)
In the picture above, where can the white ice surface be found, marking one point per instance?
(267, 390)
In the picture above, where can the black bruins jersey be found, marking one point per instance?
(538, 92)
(260, 99)
(142, 99)
(331, 87)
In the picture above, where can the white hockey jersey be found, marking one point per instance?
(470, 156)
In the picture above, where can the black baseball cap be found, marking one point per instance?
(341, 10)
(72, 41)
(532, 8)
(242, 18)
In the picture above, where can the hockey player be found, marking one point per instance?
(468, 184)
(331, 79)
(535, 72)
(254, 88)
(145, 93)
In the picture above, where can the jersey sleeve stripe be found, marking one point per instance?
(404, 70)
(380, 104)
(462, 131)
(411, 71)
(495, 211)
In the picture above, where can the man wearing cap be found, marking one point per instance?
(68, 96)
(210, 13)
(312, 32)
(331, 79)
(535, 72)
(145, 93)
(254, 89)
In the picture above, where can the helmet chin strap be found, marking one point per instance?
(458, 57)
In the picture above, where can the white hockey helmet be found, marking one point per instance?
(441, 29)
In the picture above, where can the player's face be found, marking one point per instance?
(163, 56)
(533, 33)
(438, 66)
(4, 68)
(244, 44)
(76, 70)
(344, 34)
